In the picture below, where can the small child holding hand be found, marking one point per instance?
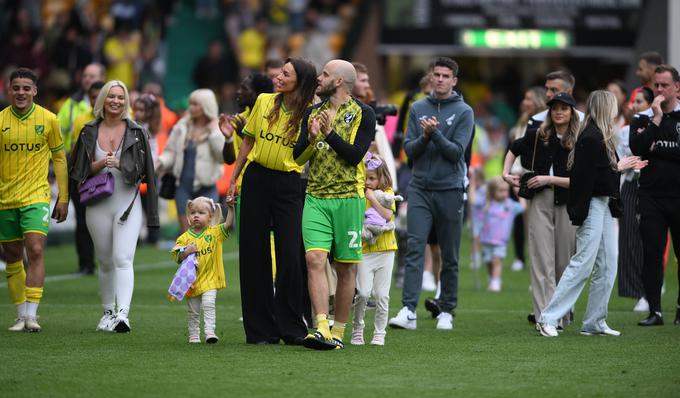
(204, 238)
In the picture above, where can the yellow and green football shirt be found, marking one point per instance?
(237, 146)
(210, 272)
(387, 240)
(329, 175)
(26, 144)
(272, 148)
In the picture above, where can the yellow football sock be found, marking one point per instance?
(34, 294)
(16, 282)
(322, 326)
(338, 330)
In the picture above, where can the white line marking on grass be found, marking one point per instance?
(138, 268)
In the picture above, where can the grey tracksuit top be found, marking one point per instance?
(439, 162)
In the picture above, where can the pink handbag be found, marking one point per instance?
(96, 188)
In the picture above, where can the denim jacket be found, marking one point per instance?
(136, 163)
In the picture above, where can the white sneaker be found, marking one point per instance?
(378, 339)
(641, 306)
(31, 324)
(546, 330)
(494, 285)
(428, 282)
(445, 321)
(194, 339)
(604, 332)
(405, 319)
(517, 266)
(19, 325)
(121, 324)
(106, 322)
(357, 337)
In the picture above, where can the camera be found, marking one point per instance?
(382, 111)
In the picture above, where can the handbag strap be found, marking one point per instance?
(533, 157)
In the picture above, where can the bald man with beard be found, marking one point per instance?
(334, 137)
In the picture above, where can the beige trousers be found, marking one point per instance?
(552, 242)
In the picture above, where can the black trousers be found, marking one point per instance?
(271, 200)
(84, 244)
(657, 215)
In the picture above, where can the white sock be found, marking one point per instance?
(31, 309)
(439, 290)
(21, 310)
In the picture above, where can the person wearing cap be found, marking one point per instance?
(593, 203)
(551, 235)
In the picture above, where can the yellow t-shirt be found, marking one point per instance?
(387, 240)
(210, 272)
(121, 67)
(253, 47)
(79, 123)
(26, 145)
(272, 149)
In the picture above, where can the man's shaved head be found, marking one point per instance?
(344, 70)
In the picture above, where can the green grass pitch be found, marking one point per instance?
(492, 351)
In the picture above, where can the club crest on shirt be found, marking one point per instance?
(348, 117)
(449, 120)
(39, 129)
(208, 238)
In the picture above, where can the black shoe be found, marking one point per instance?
(677, 317)
(316, 341)
(531, 318)
(654, 319)
(432, 305)
(293, 341)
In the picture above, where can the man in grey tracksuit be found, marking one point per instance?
(439, 130)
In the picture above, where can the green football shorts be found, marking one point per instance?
(15, 223)
(334, 226)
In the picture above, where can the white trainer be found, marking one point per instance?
(31, 324)
(429, 283)
(494, 285)
(445, 321)
(604, 332)
(641, 306)
(194, 339)
(547, 330)
(19, 325)
(357, 336)
(106, 322)
(405, 319)
(517, 265)
(378, 339)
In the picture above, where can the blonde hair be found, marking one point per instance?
(99, 112)
(539, 98)
(383, 173)
(492, 186)
(601, 109)
(214, 208)
(207, 101)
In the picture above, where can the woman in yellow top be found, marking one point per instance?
(270, 199)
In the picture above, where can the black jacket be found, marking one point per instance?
(661, 146)
(136, 163)
(591, 175)
(550, 154)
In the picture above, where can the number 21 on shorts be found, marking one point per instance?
(355, 241)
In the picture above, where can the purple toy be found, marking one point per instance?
(184, 278)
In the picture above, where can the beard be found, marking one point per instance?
(326, 91)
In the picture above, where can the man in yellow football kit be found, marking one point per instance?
(334, 136)
(29, 136)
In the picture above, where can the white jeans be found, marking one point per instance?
(596, 245)
(205, 301)
(115, 243)
(374, 275)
